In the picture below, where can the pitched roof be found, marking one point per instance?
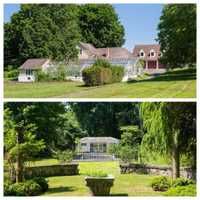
(147, 48)
(99, 139)
(110, 53)
(35, 63)
(114, 52)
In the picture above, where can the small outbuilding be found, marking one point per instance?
(96, 144)
(28, 70)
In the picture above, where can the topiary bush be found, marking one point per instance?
(161, 183)
(182, 182)
(42, 182)
(188, 190)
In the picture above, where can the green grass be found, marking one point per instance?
(124, 185)
(173, 84)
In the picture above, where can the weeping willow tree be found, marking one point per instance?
(170, 130)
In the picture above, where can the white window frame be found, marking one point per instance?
(142, 51)
(154, 53)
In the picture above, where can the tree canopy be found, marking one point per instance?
(177, 34)
(54, 30)
(100, 26)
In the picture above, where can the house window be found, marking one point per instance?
(98, 148)
(152, 53)
(142, 54)
(29, 72)
(83, 144)
(81, 51)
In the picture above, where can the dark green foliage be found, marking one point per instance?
(64, 156)
(188, 190)
(58, 73)
(126, 153)
(177, 34)
(102, 63)
(42, 182)
(11, 73)
(54, 30)
(100, 26)
(117, 73)
(182, 182)
(102, 72)
(27, 188)
(106, 117)
(94, 75)
(42, 31)
(132, 137)
(160, 184)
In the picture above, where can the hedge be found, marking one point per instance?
(98, 75)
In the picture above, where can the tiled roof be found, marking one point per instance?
(110, 53)
(35, 63)
(147, 49)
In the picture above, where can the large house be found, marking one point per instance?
(88, 54)
(151, 55)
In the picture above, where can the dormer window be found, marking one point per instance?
(152, 53)
(142, 54)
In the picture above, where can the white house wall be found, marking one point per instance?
(23, 77)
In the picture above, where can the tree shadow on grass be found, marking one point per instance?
(169, 77)
(119, 194)
(61, 189)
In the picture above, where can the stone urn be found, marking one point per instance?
(100, 186)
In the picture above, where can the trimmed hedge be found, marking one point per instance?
(98, 75)
(95, 75)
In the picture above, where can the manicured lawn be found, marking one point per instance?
(124, 185)
(177, 84)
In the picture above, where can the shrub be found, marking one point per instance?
(95, 75)
(42, 182)
(161, 183)
(182, 182)
(117, 73)
(11, 74)
(126, 153)
(188, 190)
(27, 188)
(32, 188)
(102, 63)
(65, 156)
(97, 174)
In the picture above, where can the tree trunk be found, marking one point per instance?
(19, 159)
(175, 157)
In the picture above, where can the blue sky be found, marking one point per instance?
(139, 20)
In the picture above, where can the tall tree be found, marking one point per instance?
(177, 34)
(20, 139)
(105, 118)
(100, 26)
(41, 30)
(170, 129)
(46, 116)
